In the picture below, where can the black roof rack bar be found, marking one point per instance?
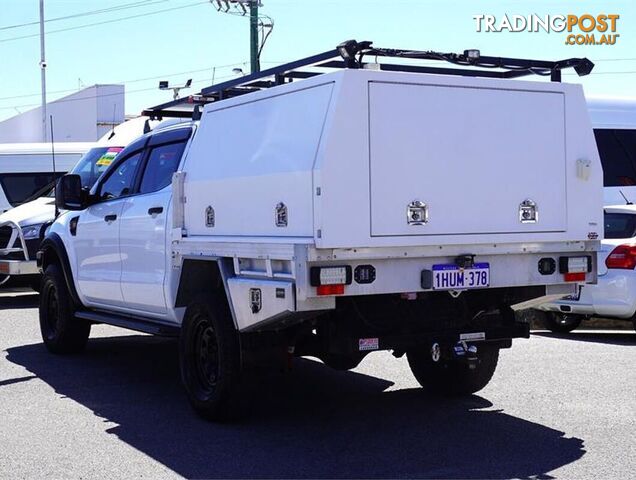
(350, 54)
(280, 69)
(228, 89)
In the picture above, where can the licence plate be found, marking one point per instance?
(451, 277)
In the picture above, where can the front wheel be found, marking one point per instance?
(452, 377)
(61, 331)
(209, 354)
(562, 322)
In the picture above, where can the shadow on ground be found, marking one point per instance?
(314, 422)
(13, 301)
(626, 338)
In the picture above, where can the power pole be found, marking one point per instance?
(255, 64)
(259, 25)
(43, 70)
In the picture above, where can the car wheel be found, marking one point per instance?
(452, 377)
(562, 322)
(61, 331)
(209, 354)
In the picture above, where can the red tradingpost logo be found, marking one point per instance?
(583, 29)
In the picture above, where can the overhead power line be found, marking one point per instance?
(136, 80)
(116, 8)
(104, 95)
(130, 17)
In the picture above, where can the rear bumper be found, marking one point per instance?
(613, 296)
(403, 273)
(18, 267)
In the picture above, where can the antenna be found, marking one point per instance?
(627, 202)
(57, 212)
(112, 134)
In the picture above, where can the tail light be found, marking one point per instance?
(330, 280)
(574, 269)
(623, 256)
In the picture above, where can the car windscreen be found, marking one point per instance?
(94, 163)
(617, 149)
(620, 225)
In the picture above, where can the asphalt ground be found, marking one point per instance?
(557, 407)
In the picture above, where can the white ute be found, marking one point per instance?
(22, 228)
(377, 207)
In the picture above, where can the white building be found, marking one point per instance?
(84, 116)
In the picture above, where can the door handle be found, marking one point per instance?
(155, 210)
(110, 218)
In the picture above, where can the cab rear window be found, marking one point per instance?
(620, 225)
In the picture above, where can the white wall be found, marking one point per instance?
(84, 116)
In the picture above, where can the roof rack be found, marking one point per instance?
(351, 54)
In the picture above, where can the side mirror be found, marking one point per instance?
(69, 194)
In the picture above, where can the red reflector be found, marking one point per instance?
(330, 289)
(574, 277)
(623, 256)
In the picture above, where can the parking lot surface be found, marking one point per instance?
(558, 407)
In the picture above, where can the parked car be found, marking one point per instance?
(614, 296)
(26, 169)
(333, 216)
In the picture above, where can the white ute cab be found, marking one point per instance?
(376, 207)
(22, 228)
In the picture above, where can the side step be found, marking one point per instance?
(131, 323)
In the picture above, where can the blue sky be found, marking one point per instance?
(180, 39)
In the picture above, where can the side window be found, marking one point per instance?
(23, 187)
(121, 180)
(617, 149)
(162, 163)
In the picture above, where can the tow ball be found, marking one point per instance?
(466, 353)
(461, 352)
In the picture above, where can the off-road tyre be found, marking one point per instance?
(453, 378)
(62, 333)
(210, 360)
(562, 322)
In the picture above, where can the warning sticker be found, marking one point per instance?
(368, 344)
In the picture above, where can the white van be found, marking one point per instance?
(614, 123)
(26, 169)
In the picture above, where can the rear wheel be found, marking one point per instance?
(452, 377)
(209, 353)
(61, 331)
(562, 322)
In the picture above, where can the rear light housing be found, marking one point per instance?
(623, 257)
(330, 280)
(574, 269)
